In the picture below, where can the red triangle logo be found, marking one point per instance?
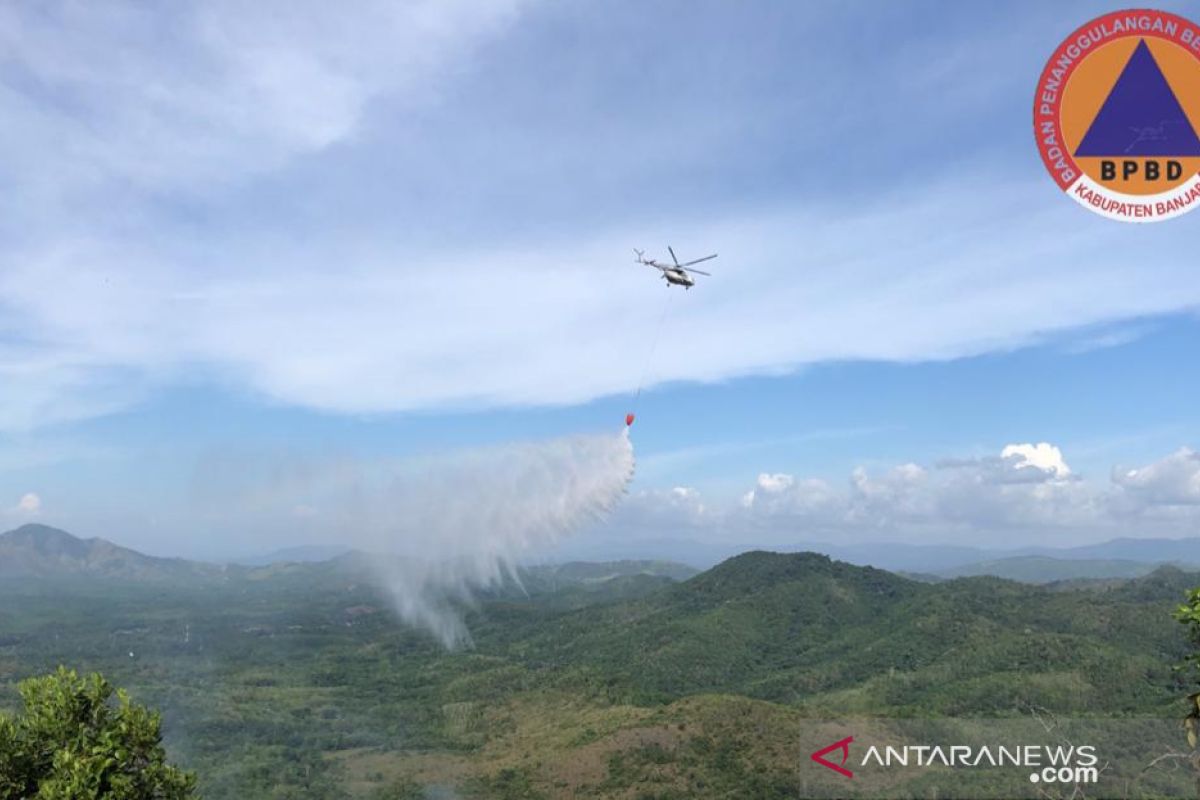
(844, 747)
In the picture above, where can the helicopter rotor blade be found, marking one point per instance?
(698, 260)
(673, 258)
(696, 271)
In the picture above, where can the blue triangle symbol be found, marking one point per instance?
(1141, 116)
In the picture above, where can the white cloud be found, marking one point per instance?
(784, 494)
(768, 484)
(775, 483)
(679, 505)
(1042, 456)
(395, 331)
(29, 504)
(1029, 491)
(183, 96)
(1174, 480)
(146, 147)
(900, 494)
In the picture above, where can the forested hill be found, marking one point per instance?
(39, 551)
(803, 629)
(296, 680)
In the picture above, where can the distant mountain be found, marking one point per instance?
(39, 551)
(600, 571)
(304, 554)
(960, 560)
(926, 559)
(583, 583)
(1183, 551)
(696, 554)
(42, 551)
(1043, 569)
(899, 557)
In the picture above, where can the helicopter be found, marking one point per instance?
(676, 273)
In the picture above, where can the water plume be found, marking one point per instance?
(462, 521)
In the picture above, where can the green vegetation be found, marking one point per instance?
(595, 681)
(71, 742)
(1189, 615)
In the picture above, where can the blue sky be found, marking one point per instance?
(293, 233)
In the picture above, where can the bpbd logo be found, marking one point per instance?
(1116, 115)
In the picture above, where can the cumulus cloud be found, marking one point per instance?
(1016, 464)
(1041, 456)
(776, 483)
(901, 493)
(1174, 480)
(684, 494)
(768, 484)
(1024, 484)
(29, 504)
(1026, 490)
(782, 493)
(680, 505)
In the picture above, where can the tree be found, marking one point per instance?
(73, 742)
(1189, 615)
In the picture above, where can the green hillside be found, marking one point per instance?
(804, 630)
(39, 551)
(296, 681)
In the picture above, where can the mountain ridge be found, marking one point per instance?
(801, 628)
(36, 550)
(1045, 569)
(40, 551)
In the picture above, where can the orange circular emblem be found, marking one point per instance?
(1117, 113)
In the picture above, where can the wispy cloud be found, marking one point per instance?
(392, 330)
(183, 98)
(1087, 340)
(260, 199)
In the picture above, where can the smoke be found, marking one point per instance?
(464, 520)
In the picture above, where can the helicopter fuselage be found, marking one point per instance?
(677, 277)
(676, 273)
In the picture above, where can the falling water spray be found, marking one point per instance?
(467, 518)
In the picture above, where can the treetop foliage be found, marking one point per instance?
(1189, 614)
(79, 739)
